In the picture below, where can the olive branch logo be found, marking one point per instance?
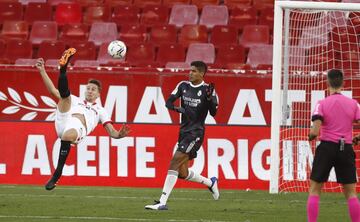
(15, 99)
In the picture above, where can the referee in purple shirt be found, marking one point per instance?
(333, 117)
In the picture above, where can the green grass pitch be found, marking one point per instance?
(70, 204)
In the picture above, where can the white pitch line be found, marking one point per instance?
(102, 218)
(86, 188)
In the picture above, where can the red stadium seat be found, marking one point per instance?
(114, 3)
(25, 62)
(155, 15)
(17, 48)
(163, 34)
(2, 48)
(184, 15)
(68, 13)
(232, 4)
(337, 18)
(224, 35)
(74, 32)
(193, 34)
(138, 54)
(144, 3)
(255, 35)
(57, 2)
(43, 31)
(133, 34)
(230, 54)
(125, 15)
(240, 17)
(52, 63)
(10, 11)
(15, 30)
(320, 58)
(38, 12)
(201, 3)
(105, 58)
(354, 20)
(97, 14)
(349, 57)
(86, 63)
(260, 55)
(261, 4)
(177, 65)
(214, 15)
(90, 3)
(171, 3)
(170, 53)
(308, 39)
(26, 2)
(51, 50)
(84, 51)
(343, 35)
(201, 51)
(238, 66)
(267, 17)
(101, 32)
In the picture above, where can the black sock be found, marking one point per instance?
(63, 154)
(63, 83)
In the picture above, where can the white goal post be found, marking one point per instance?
(309, 39)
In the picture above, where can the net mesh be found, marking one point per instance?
(314, 42)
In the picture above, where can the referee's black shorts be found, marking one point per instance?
(328, 155)
(190, 143)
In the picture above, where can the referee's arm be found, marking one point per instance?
(314, 131)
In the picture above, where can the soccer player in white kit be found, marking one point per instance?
(75, 118)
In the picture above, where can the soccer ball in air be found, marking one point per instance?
(117, 49)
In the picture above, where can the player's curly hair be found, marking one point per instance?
(96, 82)
(200, 65)
(335, 78)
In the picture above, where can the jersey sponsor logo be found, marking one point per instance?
(88, 107)
(191, 101)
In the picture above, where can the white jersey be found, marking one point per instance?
(93, 113)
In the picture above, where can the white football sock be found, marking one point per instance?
(169, 184)
(195, 177)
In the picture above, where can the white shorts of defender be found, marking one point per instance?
(64, 122)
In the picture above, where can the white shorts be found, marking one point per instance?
(64, 122)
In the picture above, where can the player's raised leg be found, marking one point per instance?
(63, 86)
(64, 106)
(190, 175)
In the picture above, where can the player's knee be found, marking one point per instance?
(182, 176)
(69, 135)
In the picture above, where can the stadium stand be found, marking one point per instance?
(229, 29)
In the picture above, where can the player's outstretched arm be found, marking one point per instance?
(314, 131)
(117, 134)
(47, 81)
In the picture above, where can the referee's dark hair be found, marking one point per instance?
(335, 78)
(200, 65)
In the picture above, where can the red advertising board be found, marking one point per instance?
(239, 156)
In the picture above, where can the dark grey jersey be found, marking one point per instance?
(195, 105)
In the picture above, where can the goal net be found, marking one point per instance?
(310, 38)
